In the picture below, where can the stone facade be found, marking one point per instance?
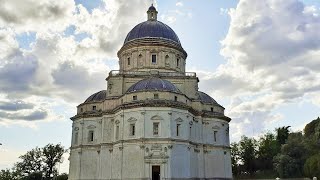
(151, 132)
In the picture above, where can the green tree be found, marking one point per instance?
(31, 162)
(282, 134)
(247, 154)
(267, 149)
(52, 155)
(312, 166)
(8, 175)
(311, 128)
(235, 158)
(63, 176)
(289, 162)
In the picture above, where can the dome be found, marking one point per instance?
(153, 83)
(98, 96)
(205, 98)
(152, 29)
(152, 8)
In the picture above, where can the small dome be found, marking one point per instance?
(205, 98)
(98, 96)
(152, 8)
(152, 29)
(153, 83)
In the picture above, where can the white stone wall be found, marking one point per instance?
(182, 156)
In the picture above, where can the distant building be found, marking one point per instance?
(151, 122)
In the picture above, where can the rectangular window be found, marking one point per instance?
(129, 61)
(117, 132)
(75, 139)
(178, 60)
(156, 96)
(134, 98)
(175, 98)
(212, 109)
(91, 136)
(190, 131)
(94, 108)
(132, 129)
(215, 136)
(154, 59)
(155, 128)
(178, 129)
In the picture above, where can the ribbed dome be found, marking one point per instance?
(205, 98)
(152, 29)
(98, 96)
(153, 83)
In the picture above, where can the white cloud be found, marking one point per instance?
(271, 50)
(34, 15)
(179, 4)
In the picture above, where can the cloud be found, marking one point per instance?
(35, 115)
(16, 105)
(179, 4)
(73, 49)
(271, 50)
(33, 15)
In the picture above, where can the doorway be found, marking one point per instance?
(155, 172)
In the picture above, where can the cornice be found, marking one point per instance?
(152, 42)
(153, 103)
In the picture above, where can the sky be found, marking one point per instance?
(259, 59)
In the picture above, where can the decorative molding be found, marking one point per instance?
(142, 146)
(179, 120)
(117, 121)
(156, 117)
(76, 128)
(215, 127)
(156, 147)
(110, 150)
(91, 127)
(143, 113)
(120, 148)
(191, 123)
(170, 113)
(205, 122)
(170, 146)
(132, 119)
(100, 121)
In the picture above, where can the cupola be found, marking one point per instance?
(152, 13)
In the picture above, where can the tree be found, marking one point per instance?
(8, 175)
(235, 158)
(39, 163)
(312, 166)
(52, 155)
(31, 163)
(247, 153)
(282, 134)
(310, 128)
(63, 176)
(289, 162)
(268, 148)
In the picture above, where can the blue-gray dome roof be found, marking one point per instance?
(98, 96)
(152, 29)
(152, 8)
(205, 98)
(153, 83)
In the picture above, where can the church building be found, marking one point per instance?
(151, 122)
